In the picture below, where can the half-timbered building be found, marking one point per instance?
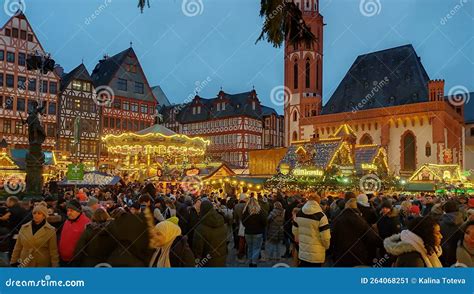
(234, 123)
(20, 87)
(79, 116)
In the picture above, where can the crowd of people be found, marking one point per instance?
(143, 225)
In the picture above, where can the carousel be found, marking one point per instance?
(153, 152)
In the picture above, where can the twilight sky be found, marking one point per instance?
(179, 47)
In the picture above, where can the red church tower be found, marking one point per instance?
(304, 73)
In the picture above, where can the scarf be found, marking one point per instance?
(35, 227)
(169, 231)
(418, 244)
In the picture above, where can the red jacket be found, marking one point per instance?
(70, 234)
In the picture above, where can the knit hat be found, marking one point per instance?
(41, 207)
(92, 201)
(351, 203)
(415, 209)
(74, 205)
(173, 219)
(363, 200)
(471, 203)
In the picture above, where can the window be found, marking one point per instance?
(50, 130)
(144, 108)
(132, 68)
(122, 84)
(139, 88)
(295, 75)
(428, 149)
(52, 108)
(317, 74)
(32, 85)
(142, 125)
(11, 57)
(129, 123)
(76, 85)
(20, 104)
(117, 123)
(30, 37)
(23, 35)
(77, 104)
(2, 82)
(44, 87)
(18, 127)
(22, 59)
(7, 126)
(53, 87)
(86, 87)
(21, 83)
(134, 107)
(10, 81)
(106, 122)
(15, 33)
(8, 32)
(117, 104)
(125, 105)
(112, 123)
(295, 116)
(2, 55)
(9, 103)
(308, 68)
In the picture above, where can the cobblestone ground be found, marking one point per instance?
(233, 262)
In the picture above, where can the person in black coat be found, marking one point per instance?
(94, 245)
(354, 241)
(193, 220)
(367, 211)
(389, 222)
(209, 244)
(451, 223)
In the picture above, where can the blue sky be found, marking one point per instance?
(218, 43)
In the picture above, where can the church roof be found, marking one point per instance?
(384, 78)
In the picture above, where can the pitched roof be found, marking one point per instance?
(469, 109)
(156, 129)
(384, 78)
(105, 70)
(239, 105)
(78, 73)
(365, 154)
(160, 96)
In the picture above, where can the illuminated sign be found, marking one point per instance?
(307, 172)
(284, 169)
(369, 166)
(192, 172)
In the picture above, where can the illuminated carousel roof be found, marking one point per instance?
(157, 140)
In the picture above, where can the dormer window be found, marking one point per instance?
(223, 105)
(218, 107)
(253, 105)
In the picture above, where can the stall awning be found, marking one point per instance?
(420, 187)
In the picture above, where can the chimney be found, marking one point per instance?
(436, 90)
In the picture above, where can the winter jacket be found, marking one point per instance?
(368, 213)
(254, 224)
(464, 255)
(450, 229)
(406, 253)
(181, 255)
(94, 245)
(192, 224)
(238, 210)
(38, 250)
(312, 233)
(276, 219)
(70, 234)
(389, 225)
(354, 241)
(210, 237)
(131, 248)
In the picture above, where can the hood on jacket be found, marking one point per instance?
(311, 207)
(277, 211)
(209, 216)
(453, 218)
(395, 246)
